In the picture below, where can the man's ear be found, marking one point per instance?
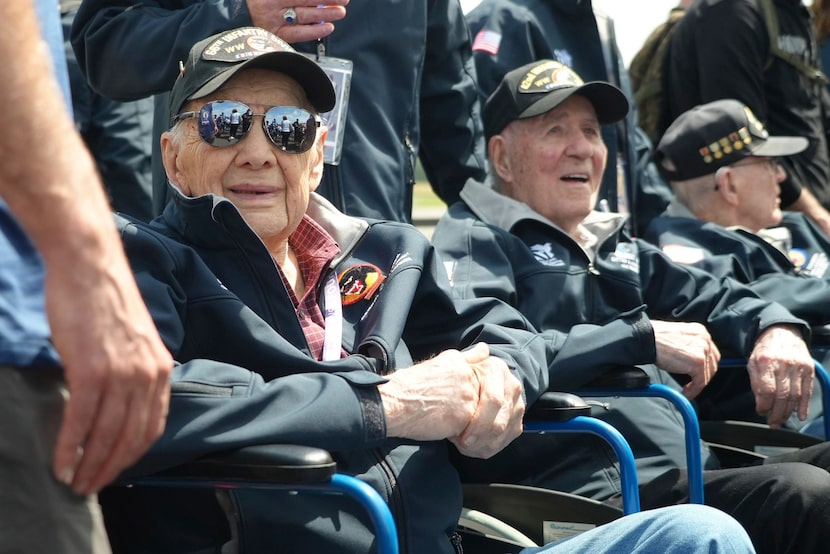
(169, 158)
(499, 158)
(317, 154)
(725, 185)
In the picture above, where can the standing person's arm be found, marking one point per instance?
(116, 366)
(452, 147)
(130, 49)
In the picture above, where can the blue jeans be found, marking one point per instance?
(682, 529)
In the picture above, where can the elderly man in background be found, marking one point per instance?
(726, 213)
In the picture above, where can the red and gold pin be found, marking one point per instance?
(358, 282)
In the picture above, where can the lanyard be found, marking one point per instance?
(333, 316)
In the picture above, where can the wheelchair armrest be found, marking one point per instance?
(557, 406)
(283, 463)
(620, 378)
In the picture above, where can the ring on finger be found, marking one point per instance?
(290, 16)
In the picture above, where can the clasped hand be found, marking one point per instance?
(470, 398)
(686, 348)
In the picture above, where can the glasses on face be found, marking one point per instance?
(225, 122)
(770, 163)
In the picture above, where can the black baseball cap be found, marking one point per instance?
(214, 60)
(540, 86)
(710, 136)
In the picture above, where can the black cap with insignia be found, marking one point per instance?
(710, 136)
(540, 86)
(214, 60)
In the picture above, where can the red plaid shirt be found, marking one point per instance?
(314, 249)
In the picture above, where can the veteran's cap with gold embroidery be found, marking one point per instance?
(214, 60)
(540, 86)
(710, 136)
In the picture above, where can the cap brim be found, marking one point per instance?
(306, 72)
(774, 147)
(609, 102)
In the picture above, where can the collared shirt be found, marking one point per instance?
(315, 250)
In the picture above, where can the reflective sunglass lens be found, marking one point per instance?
(223, 123)
(291, 129)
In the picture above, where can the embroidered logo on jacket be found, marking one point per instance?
(545, 256)
(358, 282)
(626, 256)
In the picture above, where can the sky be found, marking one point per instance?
(633, 20)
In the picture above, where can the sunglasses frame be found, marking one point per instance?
(277, 139)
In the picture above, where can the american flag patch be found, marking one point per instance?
(487, 41)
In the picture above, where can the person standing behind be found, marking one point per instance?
(722, 49)
(62, 261)
(412, 93)
(117, 133)
(510, 33)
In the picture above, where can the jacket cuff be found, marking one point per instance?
(374, 419)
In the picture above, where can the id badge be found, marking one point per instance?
(339, 71)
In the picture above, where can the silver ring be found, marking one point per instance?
(290, 16)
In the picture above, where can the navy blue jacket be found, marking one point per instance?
(798, 279)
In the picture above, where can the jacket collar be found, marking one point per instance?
(499, 210)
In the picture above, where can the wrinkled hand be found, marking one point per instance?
(116, 367)
(314, 19)
(781, 374)
(468, 397)
(686, 348)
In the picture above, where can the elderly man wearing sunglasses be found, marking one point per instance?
(293, 322)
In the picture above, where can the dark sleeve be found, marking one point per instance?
(724, 253)
(733, 313)
(649, 194)
(131, 49)
(805, 297)
(482, 268)
(518, 37)
(452, 147)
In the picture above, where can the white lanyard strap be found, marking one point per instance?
(333, 316)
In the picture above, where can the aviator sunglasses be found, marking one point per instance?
(225, 122)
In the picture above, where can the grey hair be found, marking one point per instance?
(691, 191)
